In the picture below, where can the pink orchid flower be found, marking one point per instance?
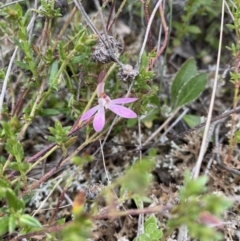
(104, 102)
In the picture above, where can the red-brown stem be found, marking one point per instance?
(19, 104)
(43, 34)
(165, 27)
(150, 41)
(58, 206)
(108, 27)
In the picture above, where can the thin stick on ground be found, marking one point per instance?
(161, 127)
(209, 117)
(176, 121)
(104, 164)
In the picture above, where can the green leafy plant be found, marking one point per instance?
(194, 10)
(195, 203)
(13, 212)
(187, 84)
(151, 230)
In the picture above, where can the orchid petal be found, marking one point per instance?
(100, 89)
(88, 114)
(122, 111)
(99, 119)
(123, 100)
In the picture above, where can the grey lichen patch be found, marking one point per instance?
(127, 72)
(106, 50)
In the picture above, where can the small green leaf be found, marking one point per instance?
(19, 44)
(90, 41)
(144, 237)
(19, 9)
(237, 136)
(3, 225)
(50, 112)
(156, 235)
(19, 166)
(80, 160)
(8, 130)
(152, 115)
(187, 70)
(60, 133)
(15, 148)
(22, 65)
(53, 71)
(191, 89)
(3, 188)
(61, 51)
(138, 201)
(216, 203)
(144, 60)
(11, 223)
(138, 178)
(131, 122)
(192, 120)
(151, 228)
(150, 223)
(2, 74)
(29, 221)
(193, 29)
(19, 152)
(61, 221)
(14, 203)
(231, 26)
(22, 35)
(3, 184)
(79, 59)
(193, 187)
